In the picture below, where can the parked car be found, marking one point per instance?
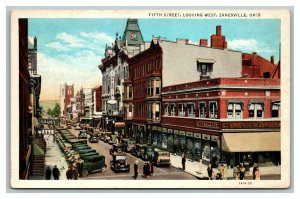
(161, 157)
(113, 139)
(119, 163)
(94, 138)
(144, 151)
(92, 164)
(83, 156)
(116, 148)
(78, 127)
(82, 134)
(129, 145)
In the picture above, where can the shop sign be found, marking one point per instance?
(205, 137)
(164, 130)
(182, 132)
(197, 135)
(45, 131)
(176, 132)
(49, 121)
(189, 134)
(208, 124)
(170, 130)
(251, 125)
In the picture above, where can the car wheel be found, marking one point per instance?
(85, 172)
(103, 169)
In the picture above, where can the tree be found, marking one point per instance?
(55, 112)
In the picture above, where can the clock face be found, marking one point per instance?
(132, 35)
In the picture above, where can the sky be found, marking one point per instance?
(70, 50)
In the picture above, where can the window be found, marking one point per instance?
(156, 111)
(275, 109)
(213, 110)
(204, 68)
(202, 109)
(235, 110)
(173, 109)
(191, 109)
(256, 109)
(153, 111)
(130, 110)
(157, 87)
(182, 110)
(166, 109)
(150, 87)
(130, 92)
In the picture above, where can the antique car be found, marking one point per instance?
(82, 134)
(116, 148)
(113, 139)
(144, 151)
(94, 138)
(86, 151)
(161, 158)
(119, 163)
(85, 155)
(92, 164)
(129, 145)
(78, 127)
(82, 148)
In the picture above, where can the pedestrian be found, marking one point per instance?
(222, 171)
(48, 173)
(75, 173)
(55, 173)
(257, 174)
(69, 173)
(242, 172)
(209, 172)
(135, 169)
(148, 169)
(152, 168)
(200, 166)
(253, 172)
(183, 160)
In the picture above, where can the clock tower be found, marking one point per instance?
(132, 34)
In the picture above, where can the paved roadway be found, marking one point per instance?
(160, 173)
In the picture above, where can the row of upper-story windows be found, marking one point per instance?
(148, 67)
(235, 109)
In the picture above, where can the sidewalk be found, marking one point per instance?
(193, 168)
(53, 157)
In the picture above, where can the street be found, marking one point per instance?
(160, 173)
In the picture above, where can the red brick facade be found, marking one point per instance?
(98, 100)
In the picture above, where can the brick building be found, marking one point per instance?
(65, 95)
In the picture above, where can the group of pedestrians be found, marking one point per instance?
(240, 172)
(148, 169)
(72, 173)
(55, 172)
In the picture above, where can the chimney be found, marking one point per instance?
(225, 44)
(218, 30)
(218, 40)
(182, 41)
(203, 42)
(272, 59)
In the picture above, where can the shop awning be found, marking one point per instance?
(251, 142)
(120, 124)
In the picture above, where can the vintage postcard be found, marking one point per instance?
(150, 98)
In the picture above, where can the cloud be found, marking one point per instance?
(79, 68)
(71, 40)
(248, 45)
(100, 36)
(56, 45)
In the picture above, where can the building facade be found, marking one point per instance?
(97, 106)
(65, 95)
(223, 119)
(115, 70)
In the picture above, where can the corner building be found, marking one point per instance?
(195, 99)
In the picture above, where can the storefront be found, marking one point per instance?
(250, 148)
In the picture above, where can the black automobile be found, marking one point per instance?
(116, 148)
(94, 138)
(119, 163)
